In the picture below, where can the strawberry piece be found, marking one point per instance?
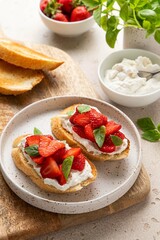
(60, 17)
(61, 179)
(97, 119)
(43, 4)
(73, 116)
(79, 130)
(38, 160)
(89, 132)
(107, 148)
(50, 169)
(66, 5)
(112, 127)
(72, 152)
(81, 119)
(33, 140)
(48, 147)
(58, 155)
(79, 13)
(49, 136)
(79, 162)
(120, 135)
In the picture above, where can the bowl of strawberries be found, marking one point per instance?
(67, 18)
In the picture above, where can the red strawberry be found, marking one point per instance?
(112, 127)
(43, 4)
(38, 160)
(72, 152)
(89, 132)
(107, 148)
(58, 155)
(50, 169)
(49, 148)
(79, 130)
(61, 179)
(49, 136)
(81, 119)
(79, 13)
(60, 17)
(66, 5)
(73, 116)
(120, 135)
(97, 119)
(79, 162)
(33, 140)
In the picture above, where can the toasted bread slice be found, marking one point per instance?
(25, 57)
(16, 80)
(27, 168)
(60, 133)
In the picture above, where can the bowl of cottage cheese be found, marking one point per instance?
(118, 75)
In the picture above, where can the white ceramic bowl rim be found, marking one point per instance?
(63, 23)
(123, 94)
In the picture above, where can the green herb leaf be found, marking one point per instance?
(66, 166)
(111, 37)
(37, 131)
(145, 124)
(157, 36)
(32, 150)
(124, 12)
(158, 127)
(151, 135)
(83, 108)
(70, 113)
(117, 141)
(99, 134)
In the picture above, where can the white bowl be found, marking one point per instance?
(121, 98)
(67, 29)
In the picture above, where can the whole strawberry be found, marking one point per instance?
(60, 17)
(67, 5)
(79, 13)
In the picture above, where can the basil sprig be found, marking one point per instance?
(150, 131)
(99, 135)
(66, 166)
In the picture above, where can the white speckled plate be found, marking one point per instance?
(114, 178)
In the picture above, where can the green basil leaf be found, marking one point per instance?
(99, 134)
(145, 124)
(70, 113)
(66, 166)
(151, 135)
(83, 108)
(158, 127)
(111, 37)
(124, 12)
(37, 131)
(97, 15)
(32, 150)
(90, 3)
(157, 36)
(117, 141)
(147, 14)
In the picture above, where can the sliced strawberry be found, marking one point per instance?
(72, 152)
(108, 149)
(33, 140)
(89, 132)
(49, 148)
(58, 155)
(112, 127)
(120, 135)
(79, 130)
(38, 160)
(73, 116)
(81, 119)
(49, 136)
(97, 119)
(61, 179)
(50, 169)
(79, 162)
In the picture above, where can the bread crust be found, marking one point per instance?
(60, 133)
(22, 56)
(16, 80)
(22, 164)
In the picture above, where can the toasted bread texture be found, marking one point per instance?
(22, 56)
(27, 168)
(60, 133)
(16, 80)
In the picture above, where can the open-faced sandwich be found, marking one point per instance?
(52, 164)
(86, 127)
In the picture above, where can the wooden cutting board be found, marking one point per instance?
(19, 220)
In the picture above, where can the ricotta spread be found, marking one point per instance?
(90, 146)
(123, 76)
(75, 177)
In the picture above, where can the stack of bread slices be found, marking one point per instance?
(21, 68)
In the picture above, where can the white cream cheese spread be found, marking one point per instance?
(123, 76)
(75, 177)
(90, 146)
